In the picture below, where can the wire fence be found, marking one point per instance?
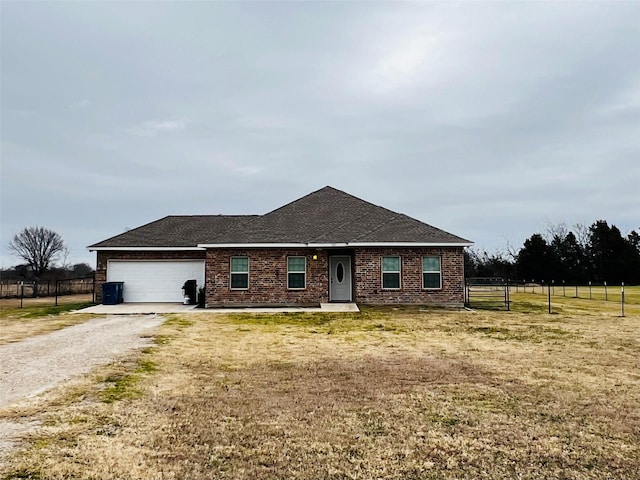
(496, 293)
(49, 288)
(593, 291)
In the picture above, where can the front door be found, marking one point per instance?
(339, 278)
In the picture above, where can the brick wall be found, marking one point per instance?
(267, 278)
(105, 256)
(368, 277)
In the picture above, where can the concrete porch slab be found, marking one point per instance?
(339, 307)
(159, 308)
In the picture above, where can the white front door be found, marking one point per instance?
(339, 278)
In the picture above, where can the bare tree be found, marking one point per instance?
(38, 246)
(583, 235)
(555, 231)
(64, 261)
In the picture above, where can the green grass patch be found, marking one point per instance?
(36, 311)
(180, 321)
(146, 366)
(161, 339)
(124, 384)
(119, 387)
(295, 319)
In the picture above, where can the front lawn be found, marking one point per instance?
(388, 393)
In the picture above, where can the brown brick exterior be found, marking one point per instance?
(105, 256)
(267, 278)
(268, 275)
(368, 277)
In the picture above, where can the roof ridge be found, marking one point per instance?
(209, 216)
(327, 187)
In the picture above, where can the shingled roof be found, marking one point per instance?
(177, 231)
(325, 217)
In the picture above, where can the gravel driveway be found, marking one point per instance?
(36, 364)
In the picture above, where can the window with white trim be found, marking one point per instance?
(391, 272)
(296, 273)
(431, 273)
(239, 273)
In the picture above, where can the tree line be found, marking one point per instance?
(598, 253)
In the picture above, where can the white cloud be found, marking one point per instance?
(153, 128)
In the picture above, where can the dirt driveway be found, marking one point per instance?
(31, 366)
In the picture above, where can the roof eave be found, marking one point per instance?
(145, 249)
(335, 244)
(411, 244)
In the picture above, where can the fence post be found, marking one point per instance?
(57, 292)
(577, 291)
(606, 297)
(549, 296)
(622, 293)
(589, 289)
(21, 293)
(509, 296)
(553, 284)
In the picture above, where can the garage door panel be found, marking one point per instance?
(155, 281)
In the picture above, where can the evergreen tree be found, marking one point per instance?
(536, 260)
(613, 258)
(570, 259)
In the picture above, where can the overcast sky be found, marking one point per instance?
(488, 120)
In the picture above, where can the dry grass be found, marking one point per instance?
(389, 393)
(39, 316)
(613, 293)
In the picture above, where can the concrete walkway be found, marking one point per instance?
(158, 308)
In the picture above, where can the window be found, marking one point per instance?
(390, 272)
(239, 273)
(431, 275)
(296, 273)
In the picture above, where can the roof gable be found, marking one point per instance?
(326, 216)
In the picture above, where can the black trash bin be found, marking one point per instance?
(112, 293)
(190, 291)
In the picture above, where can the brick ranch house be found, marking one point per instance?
(327, 246)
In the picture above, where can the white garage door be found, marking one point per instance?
(159, 281)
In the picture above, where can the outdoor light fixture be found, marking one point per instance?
(315, 257)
